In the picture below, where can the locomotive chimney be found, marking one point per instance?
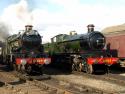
(90, 28)
(28, 27)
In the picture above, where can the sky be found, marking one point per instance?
(52, 17)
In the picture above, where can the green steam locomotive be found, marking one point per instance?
(80, 52)
(24, 52)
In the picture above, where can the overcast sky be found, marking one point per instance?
(51, 17)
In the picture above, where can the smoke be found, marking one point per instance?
(16, 16)
(4, 28)
(23, 13)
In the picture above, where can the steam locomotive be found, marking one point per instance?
(80, 52)
(24, 51)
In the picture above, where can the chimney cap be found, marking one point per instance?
(91, 25)
(28, 26)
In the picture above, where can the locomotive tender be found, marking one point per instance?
(24, 52)
(80, 52)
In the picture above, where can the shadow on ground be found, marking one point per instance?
(55, 71)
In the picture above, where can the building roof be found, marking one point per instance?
(114, 29)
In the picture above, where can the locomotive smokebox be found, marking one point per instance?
(28, 27)
(90, 28)
(30, 38)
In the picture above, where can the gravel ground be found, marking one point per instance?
(12, 84)
(122, 74)
(26, 88)
(99, 84)
(29, 87)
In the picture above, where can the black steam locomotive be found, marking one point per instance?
(24, 52)
(81, 52)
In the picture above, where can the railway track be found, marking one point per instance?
(16, 82)
(55, 86)
(52, 85)
(105, 81)
(110, 77)
(114, 78)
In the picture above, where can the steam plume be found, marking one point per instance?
(17, 16)
(3, 31)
